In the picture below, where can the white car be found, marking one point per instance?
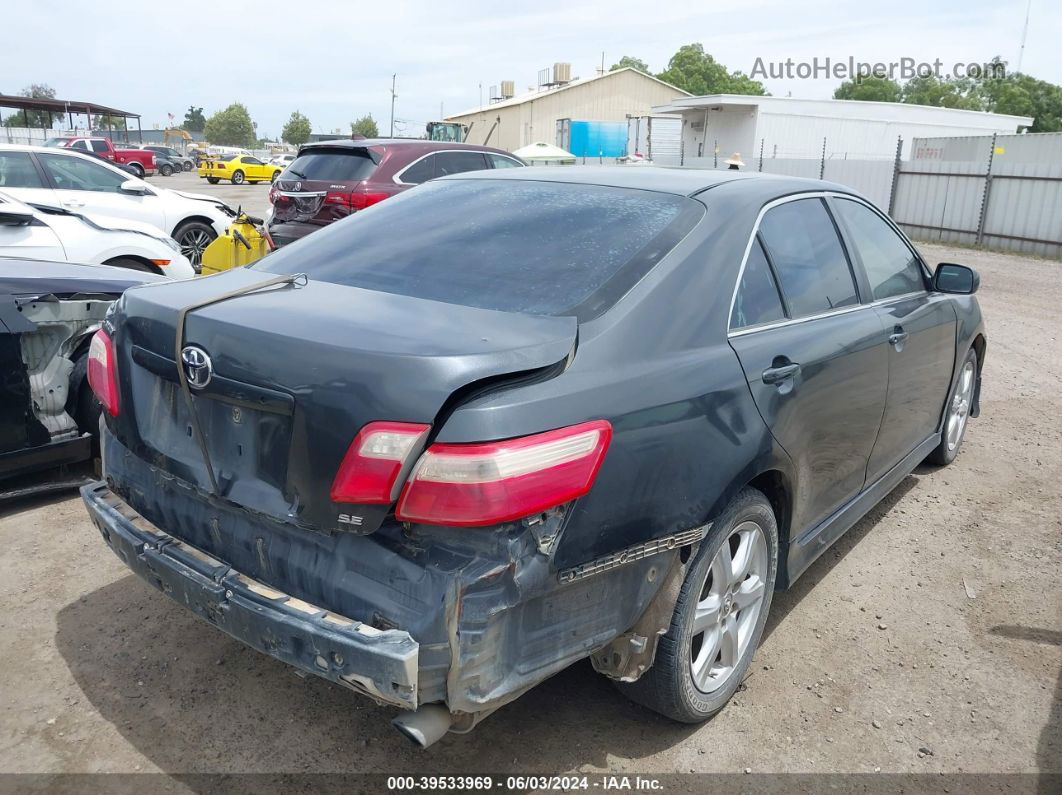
(57, 234)
(80, 183)
(282, 160)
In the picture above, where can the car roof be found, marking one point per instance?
(418, 143)
(663, 179)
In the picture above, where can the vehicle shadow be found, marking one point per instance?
(785, 601)
(193, 701)
(1049, 748)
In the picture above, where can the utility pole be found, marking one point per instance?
(394, 77)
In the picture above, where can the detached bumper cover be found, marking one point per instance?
(379, 663)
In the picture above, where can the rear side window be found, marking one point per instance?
(99, 146)
(458, 162)
(17, 171)
(500, 161)
(891, 266)
(808, 258)
(511, 245)
(420, 171)
(336, 166)
(757, 299)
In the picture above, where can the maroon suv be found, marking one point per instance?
(332, 179)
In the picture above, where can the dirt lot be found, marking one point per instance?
(935, 624)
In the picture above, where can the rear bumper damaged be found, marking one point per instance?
(409, 615)
(381, 664)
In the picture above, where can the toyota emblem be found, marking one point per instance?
(197, 367)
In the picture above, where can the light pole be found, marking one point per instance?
(393, 78)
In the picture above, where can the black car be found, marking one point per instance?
(504, 421)
(48, 314)
(179, 161)
(167, 166)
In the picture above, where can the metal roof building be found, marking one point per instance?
(787, 127)
(547, 114)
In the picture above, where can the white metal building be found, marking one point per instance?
(786, 127)
(540, 115)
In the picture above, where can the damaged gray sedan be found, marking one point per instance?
(441, 450)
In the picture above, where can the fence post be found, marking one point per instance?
(895, 175)
(987, 192)
(761, 154)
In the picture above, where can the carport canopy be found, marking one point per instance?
(67, 107)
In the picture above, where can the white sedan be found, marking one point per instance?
(56, 234)
(79, 183)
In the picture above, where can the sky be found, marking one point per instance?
(333, 60)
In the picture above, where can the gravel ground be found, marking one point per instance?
(929, 639)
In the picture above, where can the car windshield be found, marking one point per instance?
(337, 166)
(510, 245)
(56, 142)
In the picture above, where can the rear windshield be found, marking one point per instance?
(337, 166)
(511, 245)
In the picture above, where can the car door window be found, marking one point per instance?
(459, 162)
(500, 161)
(252, 161)
(79, 145)
(892, 267)
(806, 252)
(421, 171)
(757, 300)
(73, 173)
(17, 171)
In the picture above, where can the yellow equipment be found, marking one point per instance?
(243, 242)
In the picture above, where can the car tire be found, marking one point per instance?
(689, 682)
(166, 171)
(139, 169)
(237, 177)
(187, 166)
(957, 412)
(193, 237)
(253, 181)
(213, 180)
(274, 176)
(82, 404)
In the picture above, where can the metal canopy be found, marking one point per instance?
(62, 106)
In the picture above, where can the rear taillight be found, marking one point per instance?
(220, 166)
(273, 192)
(103, 371)
(370, 469)
(474, 485)
(359, 201)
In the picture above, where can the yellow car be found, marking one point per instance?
(238, 168)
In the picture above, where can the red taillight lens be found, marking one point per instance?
(220, 166)
(370, 469)
(359, 201)
(273, 195)
(474, 485)
(103, 371)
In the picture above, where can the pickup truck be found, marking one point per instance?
(143, 161)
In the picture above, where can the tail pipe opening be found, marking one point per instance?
(426, 725)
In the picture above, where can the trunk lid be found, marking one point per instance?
(296, 372)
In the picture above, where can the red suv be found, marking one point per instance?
(332, 179)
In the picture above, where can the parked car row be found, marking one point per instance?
(74, 180)
(514, 418)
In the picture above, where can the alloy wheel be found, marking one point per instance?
(193, 243)
(728, 607)
(959, 411)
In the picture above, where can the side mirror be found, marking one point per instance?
(133, 186)
(16, 216)
(959, 279)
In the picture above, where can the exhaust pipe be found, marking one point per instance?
(426, 725)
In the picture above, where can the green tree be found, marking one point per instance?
(194, 120)
(634, 63)
(871, 88)
(694, 70)
(1023, 95)
(230, 127)
(105, 122)
(33, 118)
(297, 130)
(366, 126)
(943, 93)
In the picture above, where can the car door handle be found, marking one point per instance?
(898, 335)
(775, 375)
